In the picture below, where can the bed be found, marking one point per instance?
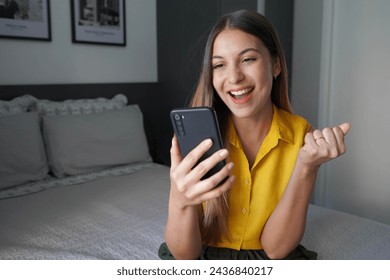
(83, 194)
(116, 217)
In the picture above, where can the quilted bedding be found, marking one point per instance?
(112, 217)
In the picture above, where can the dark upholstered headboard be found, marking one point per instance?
(146, 95)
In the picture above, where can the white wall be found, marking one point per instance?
(61, 61)
(354, 86)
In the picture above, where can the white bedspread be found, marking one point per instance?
(120, 217)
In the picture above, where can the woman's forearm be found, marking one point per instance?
(285, 227)
(182, 233)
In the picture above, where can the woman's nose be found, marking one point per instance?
(235, 75)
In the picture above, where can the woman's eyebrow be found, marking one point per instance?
(249, 50)
(240, 53)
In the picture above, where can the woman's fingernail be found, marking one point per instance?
(230, 165)
(208, 142)
(223, 153)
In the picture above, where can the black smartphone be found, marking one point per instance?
(192, 126)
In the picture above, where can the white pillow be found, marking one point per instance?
(22, 154)
(79, 106)
(77, 144)
(18, 105)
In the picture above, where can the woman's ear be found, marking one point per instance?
(276, 68)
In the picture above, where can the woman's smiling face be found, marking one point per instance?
(243, 72)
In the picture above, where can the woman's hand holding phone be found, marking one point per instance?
(187, 186)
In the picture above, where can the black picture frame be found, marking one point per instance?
(25, 20)
(99, 22)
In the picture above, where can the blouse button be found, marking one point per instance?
(246, 181)
(243, 210)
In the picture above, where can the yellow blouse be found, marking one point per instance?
(257, 191)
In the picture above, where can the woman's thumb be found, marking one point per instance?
(345, 127)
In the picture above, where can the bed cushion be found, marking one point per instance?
(17, 105)
(77, 144)
(22, 154)
(80, 106)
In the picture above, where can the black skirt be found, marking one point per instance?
(215, 253)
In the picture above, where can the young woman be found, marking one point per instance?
(273, 155)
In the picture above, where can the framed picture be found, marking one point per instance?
(25, 19)
(99, 22)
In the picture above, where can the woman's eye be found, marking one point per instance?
(248, 59)
(216, 66)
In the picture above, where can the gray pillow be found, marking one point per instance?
(79, 106)
(17, 105)
(22, 154)
(77, 144)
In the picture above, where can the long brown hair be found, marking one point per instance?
(215, 211)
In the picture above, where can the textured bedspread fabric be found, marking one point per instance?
(120, 217)
(53, 182)
(336, 235)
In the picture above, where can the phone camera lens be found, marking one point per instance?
(179, 125)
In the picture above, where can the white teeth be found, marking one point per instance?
(240, 92)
